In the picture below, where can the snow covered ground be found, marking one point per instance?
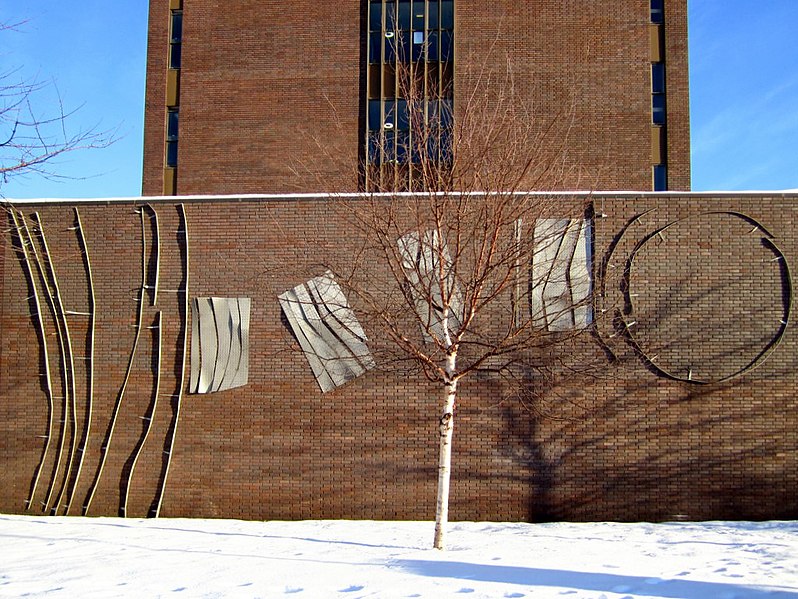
(108, 557)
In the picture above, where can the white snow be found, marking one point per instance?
(109, 557)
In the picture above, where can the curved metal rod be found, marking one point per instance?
(184, 290)
(156, 243)
(766, 351)
(90, 363)
(61, 314)
(23, 242)
(602, 278)
(115, 414)
(614, 245)
(148, 417)
(63, 352)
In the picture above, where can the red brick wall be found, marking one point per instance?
(2, 281)
(677, 86)
(270, 98)
(620, 443)
(155, 98)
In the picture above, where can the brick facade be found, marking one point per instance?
(625, 443)
(272, 99)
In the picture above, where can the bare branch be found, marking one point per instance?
(458, 271)
(32, 140)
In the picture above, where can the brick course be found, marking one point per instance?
(624, 443)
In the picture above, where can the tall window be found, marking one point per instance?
(657, 11)
(410, 89)
(172, 115)
(174, 63)
(175, 39)
(658, 99)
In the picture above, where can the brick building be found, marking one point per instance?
(132, 407)
(263, 98)
(691, 411)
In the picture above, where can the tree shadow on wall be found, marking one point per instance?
(623, 460)
(637, 440)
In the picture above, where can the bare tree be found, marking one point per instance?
(33, 137)
(452, 267)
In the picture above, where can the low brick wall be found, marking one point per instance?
(628, 442)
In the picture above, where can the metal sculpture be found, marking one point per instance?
(561, 283)
(219, 344)
(328, 332)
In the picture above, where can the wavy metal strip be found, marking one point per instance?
(156, 248)
(148, 417)
(209, 344)
(117, 406)
(89, 364)
(61, 320)
(234, 346)
(23, 242)
(224, 337)
(242, 370)
(290, 303)
(184, 289)
(62, 355)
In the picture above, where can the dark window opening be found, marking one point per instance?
(390, 16)
(432, 46)
(658, 78)
(447, 14)
(404, 14)
(402, 118)
(175, 51)
(172, 117)
(390, 115)
(403, 47)
(410, 49)
(389, 81)
(390, 46)
(172, 126)
(418, 16)
(375, 114)
(176, 39)
(375, 47)
(660, 176)
(389, 146)
(432, 15)
(402, 146)
(657, 11)
(658, 109)
(177, 26)
(171, 153)
(375, 16)
(447, 111)
(447, 46)
(374, 148)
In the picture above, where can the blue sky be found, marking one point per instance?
(743, 79)
(744, 94)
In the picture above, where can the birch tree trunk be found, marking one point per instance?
(445, 455)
